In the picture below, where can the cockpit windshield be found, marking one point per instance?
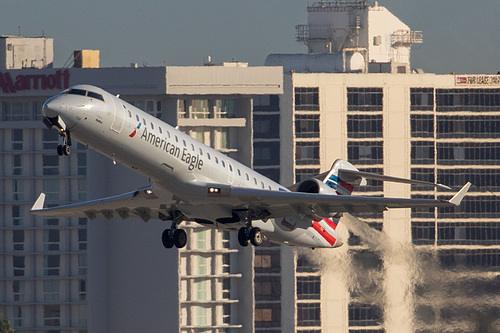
(82, 92)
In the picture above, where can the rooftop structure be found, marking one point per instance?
(23, 52)
(351, 36)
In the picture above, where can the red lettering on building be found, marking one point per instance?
(59, 80)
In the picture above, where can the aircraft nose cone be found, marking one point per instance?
(51, 108)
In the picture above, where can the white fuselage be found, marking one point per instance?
(170, 158)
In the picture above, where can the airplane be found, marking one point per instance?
(193, 182)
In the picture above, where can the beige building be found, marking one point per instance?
(442, 128)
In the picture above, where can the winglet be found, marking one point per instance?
(39, 203)
(457, 198)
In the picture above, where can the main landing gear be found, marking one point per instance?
(65, 148)
(174, 236)
(250, 233)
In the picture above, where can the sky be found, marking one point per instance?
(460, 36)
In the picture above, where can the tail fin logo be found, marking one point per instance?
(135, 130)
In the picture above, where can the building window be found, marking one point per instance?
(51, 240)
(362, 152)
(267, 315)
(18, 265)
(468, 127)
(201, 289)
(303, 174)
(365, 99)
(423, 233)
(266, 126)
(17, 139)
(17, 165)
(16, 111)
(306, 99)
(364, 126)
(82, 163)
(262, 103)
(82, 239)
(82, 264)
(201, 239)
(50, 165)
(18, 240)
(308, 287)
(82, 189)
(51, 188)
(422, 212)
(52, 315)
(50, 139)
(466, 233)
(17, 215)
(473, 207)
(467, 99)
(201, 315)
(18, 290)
(17, 189)
(469, 153)
(422, 152)
(304, 265)
(82, 289)
(51, 290)
(364, 315)
(224, 108)
(307, 126)
(267, 261)
(308, 314)
(422, 99)
(483, 179)
(307, 153)
(267, 288)
(51, 265)
(18, 316)
(475, 259)
(271, 173)
(422, 126)
(266, 153)
(202, 265)
(423, 174)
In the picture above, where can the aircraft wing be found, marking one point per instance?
(280, 204)
(141, 203)
(144, 203)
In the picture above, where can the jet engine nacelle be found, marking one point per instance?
(314, 185)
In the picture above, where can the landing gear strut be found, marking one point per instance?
(65, 148)
(249, 233)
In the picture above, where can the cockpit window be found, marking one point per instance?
(82, 92)
(77, 92)
(95, 95)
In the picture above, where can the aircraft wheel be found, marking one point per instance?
(167, 239)
(180, 238)
(243, 237)
(60, 150)
(67, 149)
(256, 236)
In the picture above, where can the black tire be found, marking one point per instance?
(167, 239)
(180, 238)
(256, 236)
(60, 150)
(67, 149)
(243, 237)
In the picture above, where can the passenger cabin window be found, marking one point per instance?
(137, 117)
(129, 114)
(239, 172)
(248, 178)
(176, 139)
(262, 184)
(184, 142)
(255, 180)
(223, 164)
(144, 121)
(161, 132)
(216, 160)
(192, 147)
(201, 152)
(208, 155)
(152, 126)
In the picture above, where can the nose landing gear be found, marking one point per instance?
(65, 148)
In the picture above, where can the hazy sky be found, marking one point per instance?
(460, 36)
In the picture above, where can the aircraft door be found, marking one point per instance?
(230, 178)
(119, 115)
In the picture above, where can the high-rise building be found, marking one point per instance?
(77, 275)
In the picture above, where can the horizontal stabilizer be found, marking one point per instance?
(39, 203)
(346, 174)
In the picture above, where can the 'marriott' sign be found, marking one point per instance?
(58, 80)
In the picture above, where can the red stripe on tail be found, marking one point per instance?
(329, 238)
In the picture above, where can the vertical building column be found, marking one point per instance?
(397, 226)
